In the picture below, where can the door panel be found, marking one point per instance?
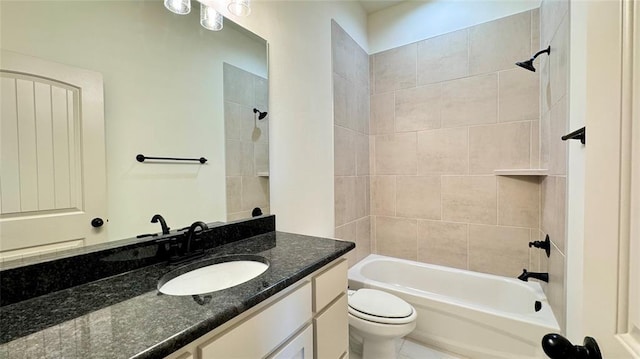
(52, 175)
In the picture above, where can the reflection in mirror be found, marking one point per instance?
(164, 83)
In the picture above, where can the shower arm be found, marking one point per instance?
(547, 50)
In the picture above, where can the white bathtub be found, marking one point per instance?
(472, 314)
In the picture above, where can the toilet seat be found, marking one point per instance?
(380, 307)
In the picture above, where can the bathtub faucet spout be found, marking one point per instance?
(540, 276)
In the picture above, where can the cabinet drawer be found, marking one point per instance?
(259, 335)
(332, 330)
(329, 284)
(301, 347)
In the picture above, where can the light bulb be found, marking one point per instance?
(210, 19)
(180, 7)
(239, 7)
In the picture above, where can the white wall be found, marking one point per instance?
(163, 97)
(301, 105)
(412, 21)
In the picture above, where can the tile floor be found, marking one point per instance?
(408, 349)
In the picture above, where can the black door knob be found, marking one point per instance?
(97, 222)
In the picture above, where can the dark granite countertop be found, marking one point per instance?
(124, 316)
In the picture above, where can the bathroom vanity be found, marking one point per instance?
(106, 304)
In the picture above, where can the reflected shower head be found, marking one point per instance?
(261, 115)
(529, 63)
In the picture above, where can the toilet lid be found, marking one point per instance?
(379, 304)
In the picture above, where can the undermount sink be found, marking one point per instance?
(212, 275)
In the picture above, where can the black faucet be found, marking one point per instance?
(191, 234)
(540, 276)
(156, 218)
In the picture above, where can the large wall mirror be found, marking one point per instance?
(171, 88)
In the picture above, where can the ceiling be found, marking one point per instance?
(371, 6)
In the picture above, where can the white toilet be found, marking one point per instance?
(376, 320)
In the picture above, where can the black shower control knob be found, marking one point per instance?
(97, 222)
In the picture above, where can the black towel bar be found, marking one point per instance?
(580, 134)
(141, 158)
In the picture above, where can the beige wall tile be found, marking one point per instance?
(443, 57)
(498, 44)
(238, 215)
(545, 84)
(347, 232)
(395, 69)
(383, 195)
(360, 107)
(561, 214)
(361, 60)
(395, 154)
(501, 146)
(545, 138)
(344, 152)
(255, 192)
(261, 157)
(371, 76)
(233, 120)
(397, 237)
(234, 194)
(261, 86)
(362, 154)
(534, 158)
(418, 108)
(239, 158)
(471, 199)
(345, 200)
(535, 31)
(519, 95)
(340, 105)
(259, 131)
(551, 14)
(342, 52)
(362, 196)
(559, 126)
(498, 250)
(238, 85)
(470, 101)
(418, 197)
(518, 201)
(548, 207)
(535, 253)
(559, 62)
(382, 113)
(443, 151)
(555, 289)
(363, 237)
(443, 243)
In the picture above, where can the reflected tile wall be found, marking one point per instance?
(554, 110)
(352, 162)
(445, 113)
(247, 143)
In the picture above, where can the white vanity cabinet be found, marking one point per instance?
(307, 320)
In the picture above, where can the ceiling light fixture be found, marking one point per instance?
(239, 7)
(180, 7)
(210, 19)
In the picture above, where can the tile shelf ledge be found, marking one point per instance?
(262, 174)
(521, 172)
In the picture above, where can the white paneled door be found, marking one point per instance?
(52, 156)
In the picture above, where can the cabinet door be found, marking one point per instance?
(264, 332)
(301, 347)
(332, 330)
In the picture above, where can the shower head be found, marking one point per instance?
(529, 63)
(261, 115)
